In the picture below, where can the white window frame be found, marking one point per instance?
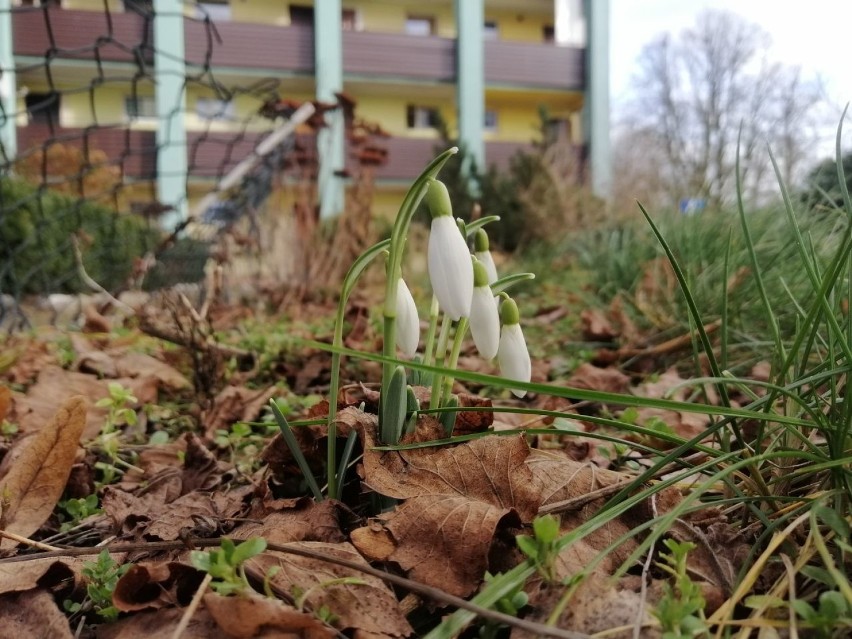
(491, 30)
(421, 117)
(216, 11)
(215, 110)
(146, 107)
(413, 28)
(494, 125)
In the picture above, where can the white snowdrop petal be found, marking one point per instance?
(488, 262)
(407, 321)
(485, 322)
(450, 267)
(513, 356)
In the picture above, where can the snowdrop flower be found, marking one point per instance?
(407, 321)
(480, 246)
(450, 267)
(484, 315)
(512, 355)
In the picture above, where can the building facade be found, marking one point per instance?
(180, 86)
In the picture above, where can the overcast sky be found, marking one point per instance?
(813, 34)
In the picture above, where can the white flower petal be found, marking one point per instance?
(488, 262)
(450, 267)
(407, 321)
(485, 322)
(513, 356)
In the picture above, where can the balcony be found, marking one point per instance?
(55, 33)
(134, 152)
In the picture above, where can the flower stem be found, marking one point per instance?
(434, 311)
(440, 354)
(461, 330)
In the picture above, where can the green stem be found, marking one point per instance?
(434, 311)
(349, 281)
(440, 354)
(397, 246)
(461, 331)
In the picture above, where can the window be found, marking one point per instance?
(490, 123)
(214, 109)
(490, 30)
(349, 20)
(549, 34)
(43, 107)
(301, 15)
(216, 10)
(142, 7)
(420, 25)
(421, 117)
(558, 129)
(140, 107)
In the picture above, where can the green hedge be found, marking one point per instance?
(36, 252)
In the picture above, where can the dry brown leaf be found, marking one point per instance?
(367, 606)
(55, 575)
(45, 396)
(443, 540)
(161, 623)
(373, 541)
(490, 469)
(286, 520)
(596, 326)
(235, 403)
(133, 364)
(592, 377)
(36, 479)
(168, 522)
(251, 616)
(156, 585)
(562, 478)
(33, 615)
(5, 402)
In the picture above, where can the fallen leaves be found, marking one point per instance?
(37, 475)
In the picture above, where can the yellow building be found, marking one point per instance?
(172, 92)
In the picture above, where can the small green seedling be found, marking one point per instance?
(541, 548)
(225, 564)
(831, 614)
(681, 608)
(511, 605)
(77, 510)
(101, 578)
(119, 403)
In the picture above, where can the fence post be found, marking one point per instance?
(470, 72)
(596, 99)
(328, 64)
(8, 86)
(170, 73)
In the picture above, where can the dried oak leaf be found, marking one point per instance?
(286, 520)
(33, 614)
(55, 575)
(367, 606)
(251, 616)
(156, 585)
(490, 469)
(161, 623)
(592, 377)
(563, 478)
(444, 540)
(596, 326)
(36, 479)
(168, 522)
(233, 404)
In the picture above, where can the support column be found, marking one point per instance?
(170, 88)
(470, 86)
(8, 86)
(328, 61)
(596, 101)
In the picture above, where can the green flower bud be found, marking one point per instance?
(480, 241)
(438, 199)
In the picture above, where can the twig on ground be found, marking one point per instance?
(192, 607)
(29, 542)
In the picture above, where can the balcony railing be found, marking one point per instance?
(125, 37)
(133, 151)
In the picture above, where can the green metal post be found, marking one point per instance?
(470, 88)
(170, 87)
(328, 62)
(8, 86)
(596, 102)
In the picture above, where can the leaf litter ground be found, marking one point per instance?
(416, 530)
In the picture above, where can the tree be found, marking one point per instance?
(822, 187)
(701, 92)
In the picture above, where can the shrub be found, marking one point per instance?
(36, 250)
